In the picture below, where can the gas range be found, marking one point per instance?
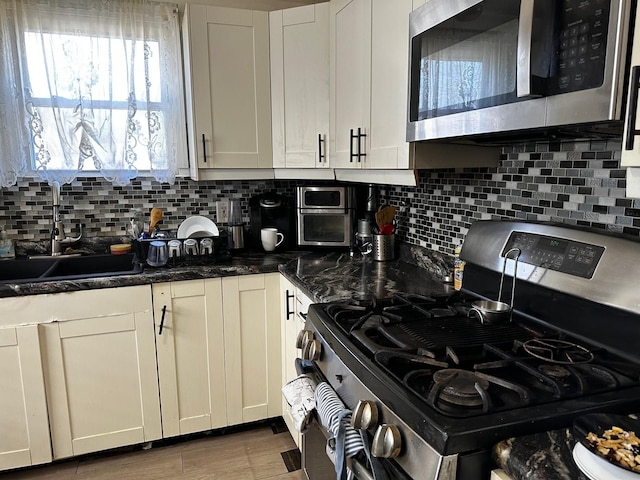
(452, 386)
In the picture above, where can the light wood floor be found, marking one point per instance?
(246, 455)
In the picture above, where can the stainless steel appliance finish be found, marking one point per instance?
(447, 388)
(560, 64)
(325, 216)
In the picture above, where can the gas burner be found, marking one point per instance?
(557, 351)
(555, 371)
(460, 387)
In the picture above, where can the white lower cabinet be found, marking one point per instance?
(293, 310)
(100, 370)
(218, 352)
(252, 347)
(92, 370)
(190, 343)
(24, 424)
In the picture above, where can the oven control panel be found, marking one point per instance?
(562, 255)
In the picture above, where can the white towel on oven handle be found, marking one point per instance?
(300, 396)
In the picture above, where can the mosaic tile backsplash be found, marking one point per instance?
(579, 183)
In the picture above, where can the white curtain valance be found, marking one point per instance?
(96, 85)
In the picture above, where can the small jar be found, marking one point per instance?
(7, 249)
(458, 270)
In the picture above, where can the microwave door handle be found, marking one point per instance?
(524, 79)
(632, 114)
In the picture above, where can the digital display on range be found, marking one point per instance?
(552, 244)
(566, 256)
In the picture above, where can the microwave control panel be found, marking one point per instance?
(562, 255)
(581, 45)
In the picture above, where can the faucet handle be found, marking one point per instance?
(68, 240)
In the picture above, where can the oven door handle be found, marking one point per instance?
(360, 471)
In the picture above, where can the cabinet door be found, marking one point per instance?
(190, 355)
(23, 409)
(300, 86)
(228, 87)
(387, 146)
(350, 83)
(100, 371)
(289, 333)
(253, 364)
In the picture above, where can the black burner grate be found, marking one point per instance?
(457, 332)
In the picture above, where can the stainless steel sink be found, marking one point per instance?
(67, 268)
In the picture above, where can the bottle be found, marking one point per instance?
(6, 245)
(458, 270)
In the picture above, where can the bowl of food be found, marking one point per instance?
(613, 438)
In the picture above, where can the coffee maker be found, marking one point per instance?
(272, 210)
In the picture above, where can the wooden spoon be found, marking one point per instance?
(156, 216)
(386, 215)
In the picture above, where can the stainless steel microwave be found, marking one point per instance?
(485, 67)
(325, 216)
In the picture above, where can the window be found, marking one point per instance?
(102, 85)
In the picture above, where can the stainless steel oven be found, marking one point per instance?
(433, 388)
(480, 67)
(325, 216)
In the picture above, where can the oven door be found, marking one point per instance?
(325, 227)
(317, 463)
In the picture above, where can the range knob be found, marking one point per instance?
(386, 442)
(365, 415)
(311, 350)
(304, 337)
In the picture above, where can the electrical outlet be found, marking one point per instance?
(222, 211)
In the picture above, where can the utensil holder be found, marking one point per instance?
(383, 247)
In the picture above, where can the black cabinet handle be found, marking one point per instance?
(321, 156)
(204, 149)
(632, 132)
(164, 311)
(351, 152)
(360, 136)
(287, 297)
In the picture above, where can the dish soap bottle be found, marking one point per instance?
(458, 270)
(6, 245)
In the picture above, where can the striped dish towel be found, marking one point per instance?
(335, 417)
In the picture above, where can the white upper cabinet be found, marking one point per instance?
(228, 88)
(369, 81)
(350, 65)
(300, 86)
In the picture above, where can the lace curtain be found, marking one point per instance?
(97, 85)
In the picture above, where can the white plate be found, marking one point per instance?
(597, 468)
(197, 226)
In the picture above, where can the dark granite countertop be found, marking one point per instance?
(246, 263)
(541, 456)
(338, 276)
(325, 275)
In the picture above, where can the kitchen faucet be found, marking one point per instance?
(58, 238)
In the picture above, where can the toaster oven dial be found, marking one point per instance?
(386, 442)
(365, 415)
(304, 337)
(311, 350)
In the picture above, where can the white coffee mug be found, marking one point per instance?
(271, 238)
